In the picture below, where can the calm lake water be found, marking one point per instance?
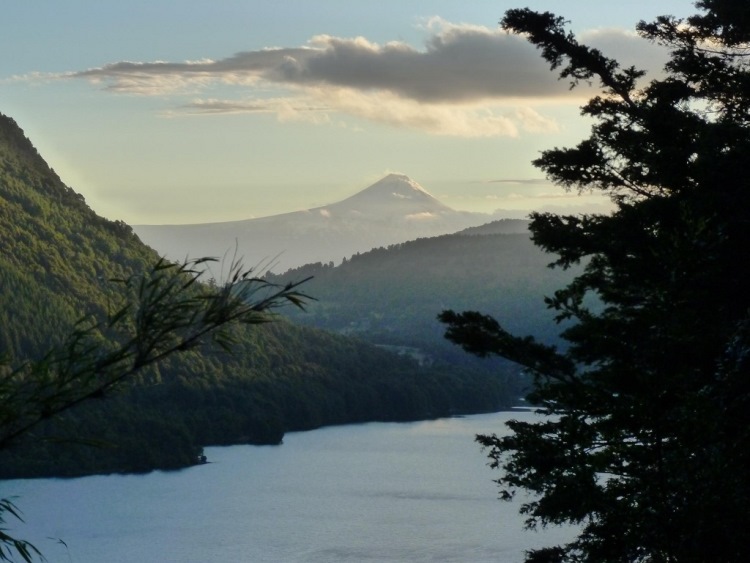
(379, 492)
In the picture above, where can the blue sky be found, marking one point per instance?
(198, 111)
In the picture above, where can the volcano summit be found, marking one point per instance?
(394, 209)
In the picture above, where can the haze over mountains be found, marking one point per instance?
(393, 210)
(56, 268)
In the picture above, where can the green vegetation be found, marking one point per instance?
(58, 255)
(162, 312)
(59, 265)
(647, 446)
(99, 375)
(391, 296)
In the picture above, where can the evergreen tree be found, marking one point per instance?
(646, 444)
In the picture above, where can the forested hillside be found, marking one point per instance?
(57, 254)
(56, 265)
(392, 296)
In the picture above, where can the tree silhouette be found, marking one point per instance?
(646, 442)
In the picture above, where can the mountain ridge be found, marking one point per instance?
(392, 295)
(58, 257)
(393, 188)
(394, 209)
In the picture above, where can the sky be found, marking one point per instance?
(193, 111)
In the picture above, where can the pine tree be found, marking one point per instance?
(646, 442)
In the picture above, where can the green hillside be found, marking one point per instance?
(57, 260)
(57, 254)
(392, 296)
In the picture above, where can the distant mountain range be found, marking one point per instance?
(393, 210)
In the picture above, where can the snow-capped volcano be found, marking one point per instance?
(392, 210)
(396, 193)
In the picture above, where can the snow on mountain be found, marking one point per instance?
(394, 195)
(395, 209)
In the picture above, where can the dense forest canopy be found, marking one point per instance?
(647, 446)
(391, 296)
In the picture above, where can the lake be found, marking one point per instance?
(378, 492)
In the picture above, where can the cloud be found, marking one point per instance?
(159, 77)
(379, 107)
(518, 181)
(285, 109)
(627, 48)
(466, 80)
(530, 196)
(438, 119)
(457, 64)
(423, 216)
(534, 122)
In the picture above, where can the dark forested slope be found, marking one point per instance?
(393, 295)
(56, 263)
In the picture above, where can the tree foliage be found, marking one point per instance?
(165, 311)
(133, 367)
(389, 295)
(279, 377)
(646, 441)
